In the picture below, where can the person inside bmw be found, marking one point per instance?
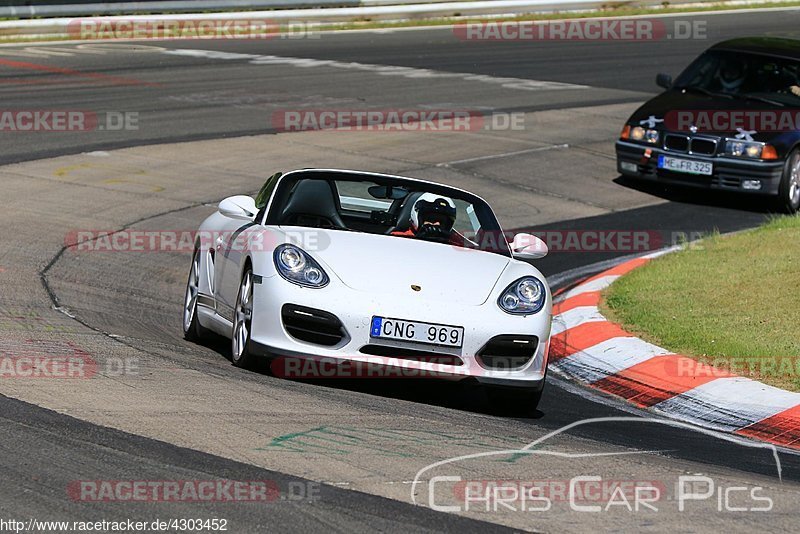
(432, 219)
(731, 75)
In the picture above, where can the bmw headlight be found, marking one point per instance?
(749, 149)
(649, 135)
(523, 297)
(296, 266)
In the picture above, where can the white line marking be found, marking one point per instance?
(87, 48)
(383, 70)
(504, 155)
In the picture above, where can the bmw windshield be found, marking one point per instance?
(737, 75)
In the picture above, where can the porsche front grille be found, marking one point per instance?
(508, 351)
(312, 326)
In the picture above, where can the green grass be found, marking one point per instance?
(610, 11)
(733, 301)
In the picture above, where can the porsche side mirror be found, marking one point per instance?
(663, 80)
(528, 247)
(238, 207)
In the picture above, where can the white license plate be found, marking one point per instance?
(432, 334)
(685, 165)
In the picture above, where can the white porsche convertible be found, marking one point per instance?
(355, 267)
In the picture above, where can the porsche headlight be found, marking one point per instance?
(298, 267)
(524, 297)
(649, 135)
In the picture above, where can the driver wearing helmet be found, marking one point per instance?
(432, 219)
(731, 75)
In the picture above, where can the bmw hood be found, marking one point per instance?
(674, 99)
(665, 110)
(389, 265)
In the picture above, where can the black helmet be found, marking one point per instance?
(430, 208)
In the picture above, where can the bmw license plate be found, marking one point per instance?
(402, 330)
(685, 165)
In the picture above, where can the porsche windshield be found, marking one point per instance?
(737, 75)
(386, 206)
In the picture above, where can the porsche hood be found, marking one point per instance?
(390, 266)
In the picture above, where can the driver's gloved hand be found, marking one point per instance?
(430, 232)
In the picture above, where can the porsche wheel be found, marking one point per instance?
(192, 330)
(788, 200)
(242, 321)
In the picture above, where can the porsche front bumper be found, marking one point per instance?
(483, 326)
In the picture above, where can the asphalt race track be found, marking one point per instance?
(161, 409)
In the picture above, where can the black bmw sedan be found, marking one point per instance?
(730, 121)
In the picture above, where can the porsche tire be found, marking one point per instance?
(241, 355)
(192, 329)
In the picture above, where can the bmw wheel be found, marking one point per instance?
(789, 191)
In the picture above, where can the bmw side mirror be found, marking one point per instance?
(238, 207)
(528, 247)
(664, 80)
